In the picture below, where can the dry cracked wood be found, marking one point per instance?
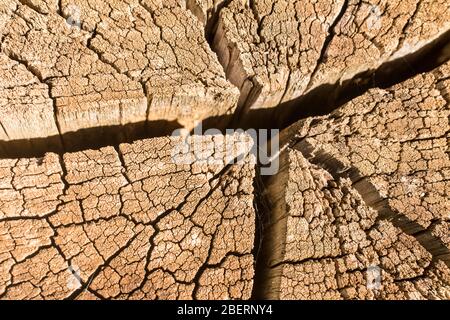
(163, 47)
(363, 190)
(129, 223)
(277, 50)
(358, 210)
(20, 89)
(103, 65)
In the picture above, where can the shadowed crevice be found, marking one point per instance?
(372, 197)
(319, 101)
(326, 98)
(90, 138)
(263, 216)
(211, 20)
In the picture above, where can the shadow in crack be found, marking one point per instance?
(91, 138)
(212, 16)
(319, 101)
(328, 97)
(372, 197)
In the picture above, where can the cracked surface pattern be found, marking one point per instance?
(162, 46)
(331, 243)
(365, 189)
(86, 92)
(396, 138)
(103, 65)
(97, 201)
(20, 90)
(275, 51)
(96, 226)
